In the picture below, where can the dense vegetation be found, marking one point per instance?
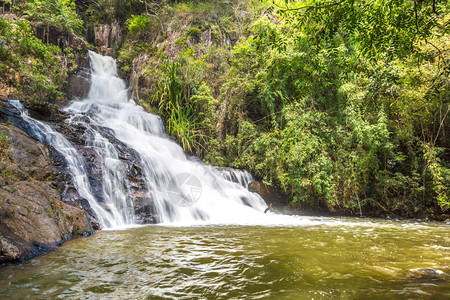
(341, 104)
(29, 67)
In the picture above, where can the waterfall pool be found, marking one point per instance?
(319, 258)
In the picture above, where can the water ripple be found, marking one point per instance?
(254, 262)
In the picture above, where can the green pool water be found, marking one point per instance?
(320, 258)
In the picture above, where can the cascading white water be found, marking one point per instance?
(183, 190)
(109, 214)
(216, 196)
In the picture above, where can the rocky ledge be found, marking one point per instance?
(273, 196)
(33, 219)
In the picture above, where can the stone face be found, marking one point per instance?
(108, 38)
(32, 216)
(268, 193)
(31, 157)
(271, 195)
(78, 82)
(62, 39)
(81, 136)
(144, 208)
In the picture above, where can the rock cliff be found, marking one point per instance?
(33, 218)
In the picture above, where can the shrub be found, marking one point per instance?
(138, 24)
(59, 13)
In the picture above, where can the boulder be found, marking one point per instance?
(271, 195)
(33, 218)
(267, 192)
(79, 82)
(427, 274)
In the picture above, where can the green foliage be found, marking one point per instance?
(194, 32)
(342, 104)
(7, 173)
(4, 144)
(59, 13)
(43, 92)
(440, 175)
(138, 23)
(333, 127)
(185, 102)
(379, 28)
(181, 125)
(29, 65)
(50, 212)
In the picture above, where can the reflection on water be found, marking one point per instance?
(332, 259)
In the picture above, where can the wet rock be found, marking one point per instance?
(79, 82)
(82, 135)
(199, 215)
(64, 184)
(268, 193)
(97, 189)
(135, 172)
(33, 218)
(430, 274)
(10, 114)
(272, 195)
(144, 208)
(130, 157)
(245, 201)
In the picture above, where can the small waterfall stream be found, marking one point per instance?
(181, 189)
(109, 215)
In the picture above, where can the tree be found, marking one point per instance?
(378, 27)
(59, 13)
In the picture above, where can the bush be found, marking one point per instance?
(59, 13)
(194, 32)
(31, 66)
(139, 24)
(184, 100)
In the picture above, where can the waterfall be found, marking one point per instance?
(181, 189)
(111, 216)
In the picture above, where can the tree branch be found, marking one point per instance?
(441, 123)
(325, 5)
